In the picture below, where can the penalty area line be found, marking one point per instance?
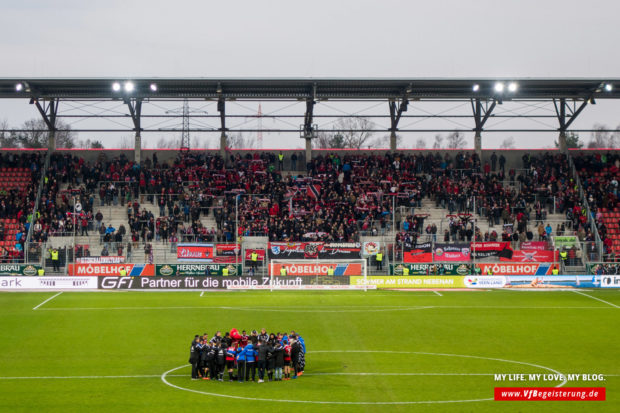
(438, 293)
(49, 299)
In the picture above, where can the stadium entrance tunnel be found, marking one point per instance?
(376, 377)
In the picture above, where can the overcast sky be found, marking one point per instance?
(316, 38)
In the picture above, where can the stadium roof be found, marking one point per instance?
(304, 88)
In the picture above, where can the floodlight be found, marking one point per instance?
(153, 87)
(19, 87)
(609, 87)
(512, 87)
(129, 86)
(476, 87)
(499, 87)
(116, 86)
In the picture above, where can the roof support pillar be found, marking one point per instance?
(308, 128)
(48, 113)
(481, 115)
(396, 111)
(566, 114)
(135, 110)
(221, 107)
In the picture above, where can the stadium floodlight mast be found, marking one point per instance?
(129, 87)
(499, 87)
(19, 87)
(153, 87)
(476, 87)
(116, 86)
(609, 87)
(512, 87)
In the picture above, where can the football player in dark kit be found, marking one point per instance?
(220, 361)
(194, 356)
(264, 349)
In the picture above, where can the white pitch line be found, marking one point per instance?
(49, 299)
(143, 376)
(327, 309)
(594, 298)
(438, 293)
(152, 376)
(201, 293)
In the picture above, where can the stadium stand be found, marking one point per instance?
(114, 207)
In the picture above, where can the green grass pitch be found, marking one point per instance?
(367, 352)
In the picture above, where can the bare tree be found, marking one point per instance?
(240, 141)
(601, 138)
(384, 142)
(438, 141)
(455, 140)
(34, 134)
(356, 132)
(7, 139)
(420, 143)
(126, 142)
(90, 144)
(323, 140)
(508, 143)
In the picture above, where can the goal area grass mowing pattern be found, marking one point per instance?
(374, 351)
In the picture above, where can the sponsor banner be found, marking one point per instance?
(419, 253)
(532, 256)
(565, 241)
(19, 269)
(101, 260)
(310, 268)
(314, 250)
(485, 281)
(610, 281)
(451, 252)
(210, 283)
(490, 249)
(195, 252)
(411, 282)
(431, 269)
(370, 249)
(196, 269)
(47, 283)
(307, 287)
(101, 270)
(535, 246)
(516, 269)
(553, 281)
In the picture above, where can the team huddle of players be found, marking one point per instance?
(278, 356)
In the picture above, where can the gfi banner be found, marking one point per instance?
(206, 283)
(316, 268)
(411, 282)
